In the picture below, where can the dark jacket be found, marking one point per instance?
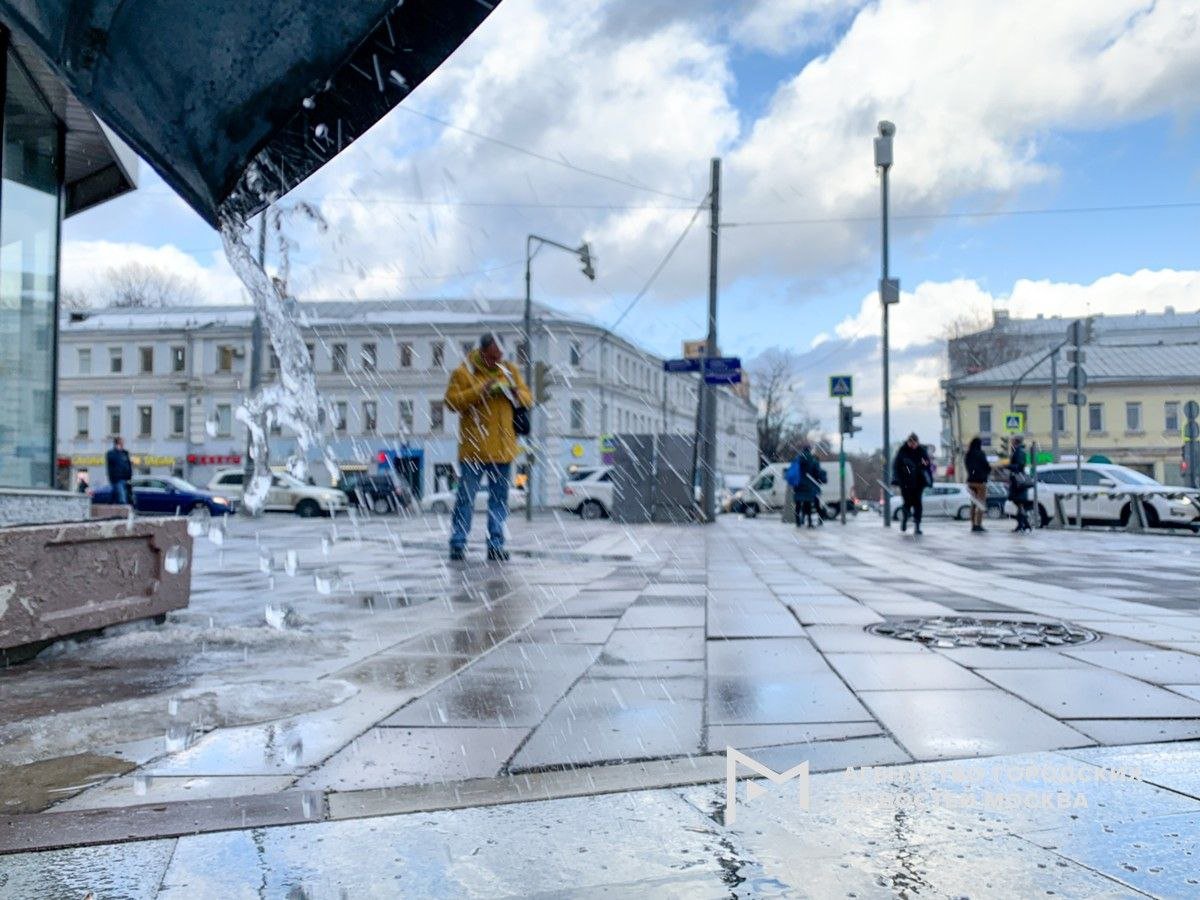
(978, 467)
(810, 469)
(118, 465)
(910, 466)
(1018, 489)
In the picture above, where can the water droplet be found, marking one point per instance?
(309, 804)
(177, 738)
(173, 707)
(310, 103)
(141, 784)
(176, 560)
(321, 131)
(326, 545)
(324, 582)
(291, 563)
(293, 753)
(277, 616)
(198, 522)
(264, 562)
(216, 534)
(211, 425)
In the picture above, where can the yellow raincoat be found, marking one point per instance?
(485, 421)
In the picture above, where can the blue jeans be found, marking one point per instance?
(470, 476)
(121, 492)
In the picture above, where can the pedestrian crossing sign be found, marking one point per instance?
(841, 386)
(1014, 422)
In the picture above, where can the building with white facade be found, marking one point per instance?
(170, 381)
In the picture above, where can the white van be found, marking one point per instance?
(769, 490)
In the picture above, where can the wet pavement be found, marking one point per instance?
(347, 666)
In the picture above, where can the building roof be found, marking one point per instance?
(1111, 363)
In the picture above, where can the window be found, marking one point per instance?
(406, 355)
(339, 358)
(1095, 417)
(82, 415)
(231, 478)
(225, 354)
(370, 413)
(369, 357)
(1060, 418)
(1055, 476)
(116, 361)
(437, 355)
(406, 415)
(145, 421)
(576, 416)
(224, 420)
(146, 360)
(437, 415)
(576, 353)
(177, 414)
(339, 415)
(1133, 417)
(985, 420)
(113, 414)
(178, 359)
(1087, 478)
(84, 359)
(1171, 415)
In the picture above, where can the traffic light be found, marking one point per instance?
(848, 414)
(541, 382)
(1004, 447)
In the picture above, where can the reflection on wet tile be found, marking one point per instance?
(594, 604)
(498, 697)
(131, 870)
(1173, 766)
(638, 644)
(785, 697)
(901, 672)
(771, 620)
(403, 671)
(764, 657)
(1092, 694)
(390, 757)
(936, 724)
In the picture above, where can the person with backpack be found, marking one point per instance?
(1019, 484)
(806, 476)
(912, 472)
(978, 472)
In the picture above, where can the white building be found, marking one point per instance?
(170, 380)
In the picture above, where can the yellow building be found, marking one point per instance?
(1134, 414)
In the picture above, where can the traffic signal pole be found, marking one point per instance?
(841, 463)
(708, 472)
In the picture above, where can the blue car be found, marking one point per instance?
(167, 497)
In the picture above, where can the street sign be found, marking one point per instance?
(1077, 398)
(889, 290)
(1076, 356)
(1014, 422)
(1076, 378)
(723, 370)
(841, 385)
(1191, 409)
(681, 365)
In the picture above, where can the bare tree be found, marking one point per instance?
(783, 423)
(72, 300)
(975, 343)
(137, 285)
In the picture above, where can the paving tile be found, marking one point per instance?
(650, 669)
(1156, 666)
(833, 756)
(774, 621)
(784, 697)
(1138, 731)
(502, 698)
(939, 724)
(614, 720)
(696, 590)
(132, 870)
(741, 737)
(391, 757)
(641, 644)
(1092, 694)
(902, 672)
(988, 658)
(1175, 767)
(852, 639)
(662, 615)
(133, 790)
(568, 631)
(827, 614)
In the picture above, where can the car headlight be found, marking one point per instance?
(220, 501)
(1186, 501)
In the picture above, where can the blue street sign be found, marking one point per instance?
(723, 370)
(681, 365)
(841, 385)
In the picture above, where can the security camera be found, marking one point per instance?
(886, 128)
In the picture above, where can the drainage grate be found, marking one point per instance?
(996, 634)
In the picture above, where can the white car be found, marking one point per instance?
(589, 492)
(945, 498)
(442, 502)
(287, 493)
(1106, 492)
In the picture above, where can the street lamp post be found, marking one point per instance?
(889, 293)
(584, 253)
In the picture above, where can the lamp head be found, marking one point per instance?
(585, 257)
(886, 128)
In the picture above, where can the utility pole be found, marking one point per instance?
(889, 293)
(1054, 406)
(707, 479)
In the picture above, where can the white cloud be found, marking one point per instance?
(777, 26)
(85, 263)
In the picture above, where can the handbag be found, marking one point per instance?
(521, 423)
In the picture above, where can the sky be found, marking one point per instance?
(1046, 162)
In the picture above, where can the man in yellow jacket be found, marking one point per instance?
(483, 391)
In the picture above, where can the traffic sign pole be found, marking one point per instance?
(841, 467)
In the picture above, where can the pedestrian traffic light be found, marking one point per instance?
(848, 414)
(541, 382)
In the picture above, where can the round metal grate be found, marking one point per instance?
(996, 634)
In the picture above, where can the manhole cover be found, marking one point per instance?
(996, 634)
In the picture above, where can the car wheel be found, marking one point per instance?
(1152, 520)
(750, 510)
(380, 506)
(439, 507)
(963, 512)
(1126, 514)
(591, 510)
(307, 509)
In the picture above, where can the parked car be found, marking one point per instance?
(287, 493)
(1163, 506)
(945, 498)
(168, 497)
(589, 492)
(442, 502)
(378, 493)
(733, 484)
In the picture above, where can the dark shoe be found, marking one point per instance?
(497, 554)
(904, 523)
(457, 554)
(917, 530)
(977, 528)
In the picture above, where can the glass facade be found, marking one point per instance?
(30, 210)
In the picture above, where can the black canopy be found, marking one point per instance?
(237, 102)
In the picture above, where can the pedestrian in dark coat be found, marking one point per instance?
(912, 472)
(120, 471)
(806, 476)
(978, 472)
(1019, 484)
